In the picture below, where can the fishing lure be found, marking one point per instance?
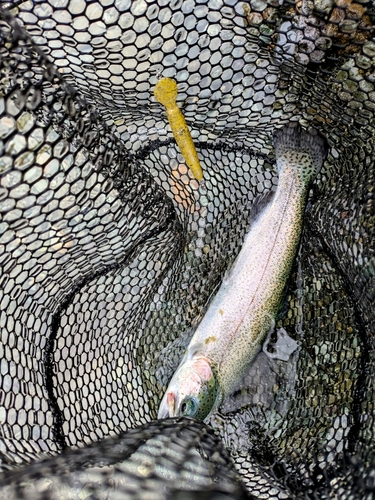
(166, 93)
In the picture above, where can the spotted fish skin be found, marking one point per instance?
(245, 307)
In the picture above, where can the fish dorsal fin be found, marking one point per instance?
(259, 205)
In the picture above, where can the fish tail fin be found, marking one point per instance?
(306, 151)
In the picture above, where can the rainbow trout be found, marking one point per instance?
(246, 305)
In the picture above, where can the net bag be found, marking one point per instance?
(110, 249)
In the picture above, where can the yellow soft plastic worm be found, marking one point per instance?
(166, 93)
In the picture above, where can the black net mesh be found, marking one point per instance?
(111, 250)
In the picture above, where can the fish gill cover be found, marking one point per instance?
(111, 249)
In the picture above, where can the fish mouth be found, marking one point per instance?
(167, 406)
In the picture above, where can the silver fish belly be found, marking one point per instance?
(245, 307)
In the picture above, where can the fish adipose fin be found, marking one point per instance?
(295, 147)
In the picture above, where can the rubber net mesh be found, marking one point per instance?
(111, 250)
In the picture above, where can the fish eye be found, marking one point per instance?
(188, 407)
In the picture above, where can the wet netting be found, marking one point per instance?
(110, 249)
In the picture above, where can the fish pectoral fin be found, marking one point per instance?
(193, 350)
